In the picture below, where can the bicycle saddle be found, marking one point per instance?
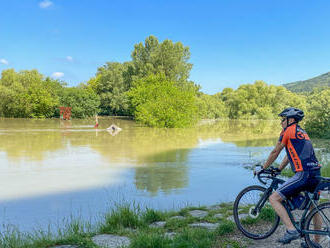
(324, 184)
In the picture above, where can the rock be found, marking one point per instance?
(177, 218)
(198, 213)
(158, 224)
(240, 216)
(111, 241)
(65, 246)
(213, 207)
(209, 226)
(170, 235)
(218, 216)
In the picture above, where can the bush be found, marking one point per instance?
(83, 101)
(157, 102)
(318, 118)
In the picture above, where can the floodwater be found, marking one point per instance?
(51, 170)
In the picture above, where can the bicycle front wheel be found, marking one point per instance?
(253, 222)
(317, 226)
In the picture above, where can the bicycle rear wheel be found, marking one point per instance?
(318, 221)
(251, 222)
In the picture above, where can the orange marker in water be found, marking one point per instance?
(96, 122)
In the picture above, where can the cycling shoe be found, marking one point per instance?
(289, 236)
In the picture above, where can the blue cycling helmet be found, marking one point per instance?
(295, 113)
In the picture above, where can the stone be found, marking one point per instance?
(177, 218)
(170, 235)
(214, 207)
(206, 225)
(111, 241)
(218, 216)
(198, 213)
(65, 246)
(158, 224)
(240, 216)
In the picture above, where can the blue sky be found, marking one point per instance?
(231, 42)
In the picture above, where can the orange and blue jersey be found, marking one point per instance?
(299, 149)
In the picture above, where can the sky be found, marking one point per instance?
(231, 42)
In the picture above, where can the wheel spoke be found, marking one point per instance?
(317, 221)
(254, 224)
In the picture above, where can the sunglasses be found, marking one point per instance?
(283, 120)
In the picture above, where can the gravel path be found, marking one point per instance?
(271, 242)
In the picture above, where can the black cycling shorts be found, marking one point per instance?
(301, 181)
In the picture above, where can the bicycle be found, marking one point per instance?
(256, 219)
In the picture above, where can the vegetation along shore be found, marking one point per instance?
(129, 226)
(154, 89)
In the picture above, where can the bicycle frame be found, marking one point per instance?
(299, 225)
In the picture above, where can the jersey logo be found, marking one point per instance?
(300, 135)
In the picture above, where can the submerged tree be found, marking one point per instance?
(110, 83)
(26, 94)
(158, 102)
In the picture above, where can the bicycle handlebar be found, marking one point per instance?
(269, 173)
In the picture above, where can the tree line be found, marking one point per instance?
(154, 88)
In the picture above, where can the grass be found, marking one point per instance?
(131, 221)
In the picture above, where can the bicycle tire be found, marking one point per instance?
(236, 213)
(308, 222)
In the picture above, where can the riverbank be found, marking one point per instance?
(132, 227)
(129, 226)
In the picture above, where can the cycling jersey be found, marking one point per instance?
(299, 148)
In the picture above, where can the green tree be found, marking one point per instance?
(168, 58)
(318, 117)
(25, 94)
(83, 101)
(259, 101)
(110, 83)
(210, 107)
(158, 102)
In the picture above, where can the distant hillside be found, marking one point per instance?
(308, 85)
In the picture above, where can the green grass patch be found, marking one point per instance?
(151, 215)
(225, 227)
(194, 238)
(123, 216)
(150, 239)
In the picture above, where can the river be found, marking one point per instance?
(52, 170)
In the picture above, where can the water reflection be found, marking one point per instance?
(50, 150)
(164, 172)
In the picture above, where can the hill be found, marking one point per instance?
(309, 84)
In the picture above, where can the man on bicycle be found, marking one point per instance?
(300, 154)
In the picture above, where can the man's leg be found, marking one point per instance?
(317, 221)
(276, 202)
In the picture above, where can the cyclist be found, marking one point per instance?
(300, 154)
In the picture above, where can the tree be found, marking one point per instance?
(110, 83)
(168, 58)
(318, 118)
(83, 101)
(158, 102)
(25, 94)
(210, 107)
(259, 101)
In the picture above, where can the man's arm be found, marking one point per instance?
(274, 154)
(284, 163)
